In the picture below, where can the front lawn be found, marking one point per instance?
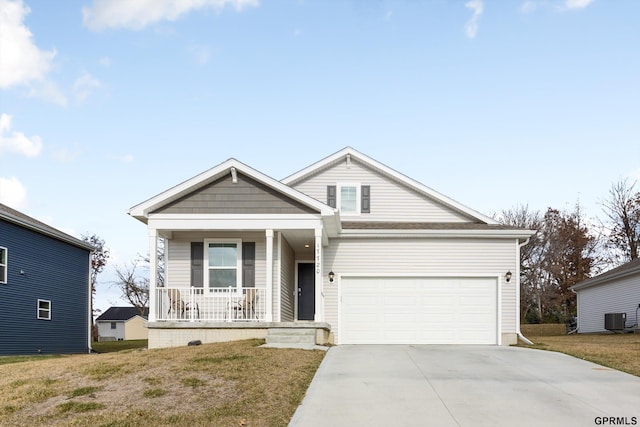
(618, 351)
(225, 384)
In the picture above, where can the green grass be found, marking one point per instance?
(79, 407)
(112, 346)
(4, 360)
(84, 391)
(154, 392)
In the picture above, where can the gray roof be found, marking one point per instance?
(121, 313)
(26, 221)
(628, 269)
(374, 225)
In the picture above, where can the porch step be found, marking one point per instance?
(291, 336)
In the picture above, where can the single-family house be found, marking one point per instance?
(122, 323)
(45, 288)
(615, 292)
(347, 249)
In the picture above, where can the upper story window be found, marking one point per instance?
(3, 265)
(350, 198)
(223, 266)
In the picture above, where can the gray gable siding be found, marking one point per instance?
(247, 196)
(54, 271)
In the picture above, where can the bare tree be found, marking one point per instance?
(135, 289)
(622, 209)
(99, 258)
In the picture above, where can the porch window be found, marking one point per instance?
(223, 264)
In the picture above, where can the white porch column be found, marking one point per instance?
(269, 314)
(153, 272)
(319, 314)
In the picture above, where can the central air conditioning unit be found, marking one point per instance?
(615, 321)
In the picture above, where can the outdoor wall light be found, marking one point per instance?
(508, 276)
(332, 276)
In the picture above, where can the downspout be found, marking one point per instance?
(518, 331)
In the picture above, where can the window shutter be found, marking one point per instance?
(248, 264)
(197, 270)
(365, 202)
(331, 195)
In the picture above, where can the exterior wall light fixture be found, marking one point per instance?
(332, 276)
(508, 276)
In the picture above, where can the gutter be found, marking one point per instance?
(518, 331)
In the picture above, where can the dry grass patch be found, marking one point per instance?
(235, 383)
(617, 351)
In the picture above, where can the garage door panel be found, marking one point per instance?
(400, 310)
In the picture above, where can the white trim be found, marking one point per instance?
(142, 210)
(419, 187)
(496, 276)
(48, 310)
(205, 261)
(153, 271)
(278, 288)
(90, 305)
(385, 233)
(318, 316)
(269, 273)
(4, 280)
(233, 223)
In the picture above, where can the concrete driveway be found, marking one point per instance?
(465, 386)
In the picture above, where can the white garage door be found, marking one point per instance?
(418, 310)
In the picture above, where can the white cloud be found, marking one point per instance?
(200, 53)
(22, 61)
(13, 193)
(17, 142)
(49, 91)
(137, 14)
(528, 6)
(127, 158)
(471, 27)
(105, 61)
(577, 4)
(65, 155)
(84, 85)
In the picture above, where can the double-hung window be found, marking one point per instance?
(44, 309)
(3, 266)
(223, 263)
(350, 198)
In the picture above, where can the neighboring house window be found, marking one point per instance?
(3, 265)
(44, 309)
(223, 263)
(113, 325)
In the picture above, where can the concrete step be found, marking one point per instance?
(291, 336)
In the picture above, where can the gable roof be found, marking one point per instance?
(26, 221)
(625, 270)
(350, 152)
(232, 166)
(114, 314)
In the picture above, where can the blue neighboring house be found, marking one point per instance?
(44, 288)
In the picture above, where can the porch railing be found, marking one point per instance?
(230, 304)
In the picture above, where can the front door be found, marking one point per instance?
(306, 291)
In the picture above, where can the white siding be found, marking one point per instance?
(428, 257)
(104, 329)
(179, 255)
(287, 279)
(390, 200)
(621, 296)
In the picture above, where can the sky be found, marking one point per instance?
(494, 103)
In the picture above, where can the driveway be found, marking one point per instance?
(412, 385)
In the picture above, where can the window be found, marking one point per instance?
(349, 198)
(44, 309)
(223, 264)
(113, 325)
(3, 266)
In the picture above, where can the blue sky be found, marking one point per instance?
(105, 103)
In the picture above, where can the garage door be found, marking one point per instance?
(418, 310)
